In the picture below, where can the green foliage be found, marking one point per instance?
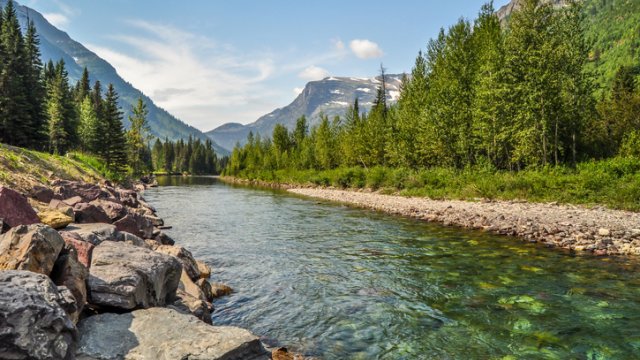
(193, 157)
(138, 136)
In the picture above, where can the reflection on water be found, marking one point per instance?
(345, 283)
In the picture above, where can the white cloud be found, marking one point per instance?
(58, 20)
(313, 72)
(199, 81)
(365, 49)
(297, 91)
(338, 45)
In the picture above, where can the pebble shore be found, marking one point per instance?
(599, 230)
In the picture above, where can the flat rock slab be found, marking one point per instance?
(33, 320)
(130, 277)
(163, 334)
(95, 233)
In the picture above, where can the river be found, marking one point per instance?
(345, 283)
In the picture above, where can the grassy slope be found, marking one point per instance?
(21, 169)
(613, 183)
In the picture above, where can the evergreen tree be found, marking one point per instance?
(137, 137)
(35, 91)
(115, 155)
(89, 129)
(16, 125)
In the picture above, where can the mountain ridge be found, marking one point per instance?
(56, 44)
(330, 96)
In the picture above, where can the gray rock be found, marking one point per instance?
(95, 233)
(72, 274)
(135, 224)
(86, 213)
(128, 277)
(33, 320)
(189, 264)
(33, 248)
(111, 209)
(163, 334)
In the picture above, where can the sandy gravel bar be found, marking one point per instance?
(599, 230)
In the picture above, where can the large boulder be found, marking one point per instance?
(86, 213)
(135, 224)
(33, 320)
(69, 272)
(113, 210)
(128, 197)
(128, 277)
(64, 189)
(41, 193)
(15, 209)
(33, 248)
(186, 259)
(95, 233)
(84, 249)
(163, 334)
(55, 219)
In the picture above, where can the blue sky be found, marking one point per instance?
(211, 62)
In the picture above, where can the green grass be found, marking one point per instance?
(614, 183)
(21, 168)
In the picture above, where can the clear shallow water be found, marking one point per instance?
(344, 283)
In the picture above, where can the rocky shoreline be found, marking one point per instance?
(86, 272)
(598, 231)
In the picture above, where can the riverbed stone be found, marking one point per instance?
(220, 289)
(15, 209)
(55, 219)
(127, 277)
(186, 259)
(205, 270)
(30, 247)
(163, 334)
(57, 204)
(33, 320)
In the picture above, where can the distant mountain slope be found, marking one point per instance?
(612, 30)
(56, 44)
(330, 96)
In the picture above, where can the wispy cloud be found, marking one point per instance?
(200, 81)
(365, 49)
(61, 16)
(313, 72)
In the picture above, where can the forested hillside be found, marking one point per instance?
(524, 96)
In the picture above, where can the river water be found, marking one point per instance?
(344, 283)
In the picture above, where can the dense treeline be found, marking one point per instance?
(193, 157)
(482, 95)
(40, 110)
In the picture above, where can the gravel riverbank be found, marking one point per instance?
(598, 230)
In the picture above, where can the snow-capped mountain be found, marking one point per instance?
(330, 96)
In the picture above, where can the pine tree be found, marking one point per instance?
(35, 91)
(137, 137)
(89, 129)
(16, 124)
(116, 154)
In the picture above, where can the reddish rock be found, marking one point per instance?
(72, 201)
(135, 224)
(128, 197)
(83, 248)
(41, 193)
(86, 213)
(15, 209)
(87, 192)
(113, 210)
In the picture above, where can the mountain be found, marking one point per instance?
(56, 44)
(330, 96)
(505, 11)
